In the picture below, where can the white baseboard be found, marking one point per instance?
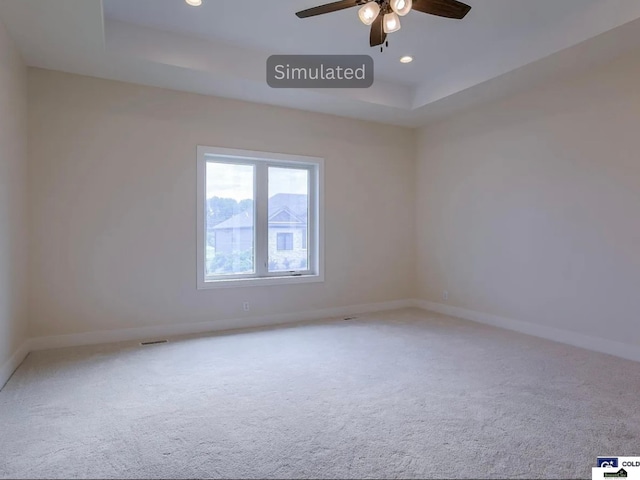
(164, 331)
(10, 366)
(619, 349)
(612, 347)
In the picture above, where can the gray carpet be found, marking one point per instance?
(403, 394)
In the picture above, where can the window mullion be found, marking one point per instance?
(262, 219)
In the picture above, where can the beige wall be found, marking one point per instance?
(112, 183)
(529, 208)
(13, 198)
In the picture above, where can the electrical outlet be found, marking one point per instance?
(445, 295)
(245, 306)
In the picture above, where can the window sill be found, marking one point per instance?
(260, 282)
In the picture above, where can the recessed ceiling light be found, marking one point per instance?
(406, 59)
(194, 3)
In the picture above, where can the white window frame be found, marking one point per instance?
(315, 228)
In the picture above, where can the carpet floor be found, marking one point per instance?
(404, 394)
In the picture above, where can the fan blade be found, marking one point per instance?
(328, 8)
(442, 8)
(377, 36)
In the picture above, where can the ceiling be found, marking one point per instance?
(220, 48)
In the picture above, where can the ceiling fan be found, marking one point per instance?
(383, 15)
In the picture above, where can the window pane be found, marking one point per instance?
(285, 241)
(288, 219)
(230, 219)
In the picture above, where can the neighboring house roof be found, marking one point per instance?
(286, 217)
(294, 202)
(285, 208)
(241, 220)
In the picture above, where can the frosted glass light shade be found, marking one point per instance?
(401, 7)
(391, 22)
(369, 13)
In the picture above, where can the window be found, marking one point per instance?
(285, 241)
(259, 218)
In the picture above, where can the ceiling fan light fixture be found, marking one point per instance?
(383, 16)
(406, 59)
(401, 7)
(194, 3)
(391, 22)
(369, 13)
